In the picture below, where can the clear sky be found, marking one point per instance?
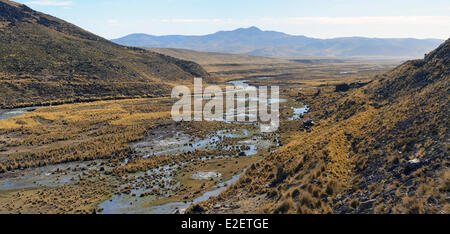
(319, 18)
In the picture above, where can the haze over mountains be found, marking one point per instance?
(254, 41)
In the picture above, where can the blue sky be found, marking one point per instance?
(321, 19)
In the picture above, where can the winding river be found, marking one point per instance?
(126, 204)
(57, 175)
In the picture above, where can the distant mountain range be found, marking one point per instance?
(253, 41)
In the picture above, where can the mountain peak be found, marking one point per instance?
(250, 29)
(254, 28)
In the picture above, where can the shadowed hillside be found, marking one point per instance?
(381, 148)
(45, 60)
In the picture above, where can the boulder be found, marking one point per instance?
(308, 123)
(412, 165)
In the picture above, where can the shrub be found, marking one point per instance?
(354, 203)
(306, 199)
(295, 194)
(285, 206)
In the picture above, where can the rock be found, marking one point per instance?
(412, 165)
(197, 209)
(396, 161)
(414, 161)
(431, 200)
(348, 135)
(367, 204)
(177, 211)
(308, 123)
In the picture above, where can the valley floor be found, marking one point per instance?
(128, 156)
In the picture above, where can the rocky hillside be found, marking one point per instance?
(380, 148)
(45, 60)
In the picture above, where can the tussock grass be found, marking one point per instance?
(75, 132)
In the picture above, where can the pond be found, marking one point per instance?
(11, 113)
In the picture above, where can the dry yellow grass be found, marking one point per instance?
(78, 131)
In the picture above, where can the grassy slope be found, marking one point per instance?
(205, 58)
(357, 158)
(45, 60)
